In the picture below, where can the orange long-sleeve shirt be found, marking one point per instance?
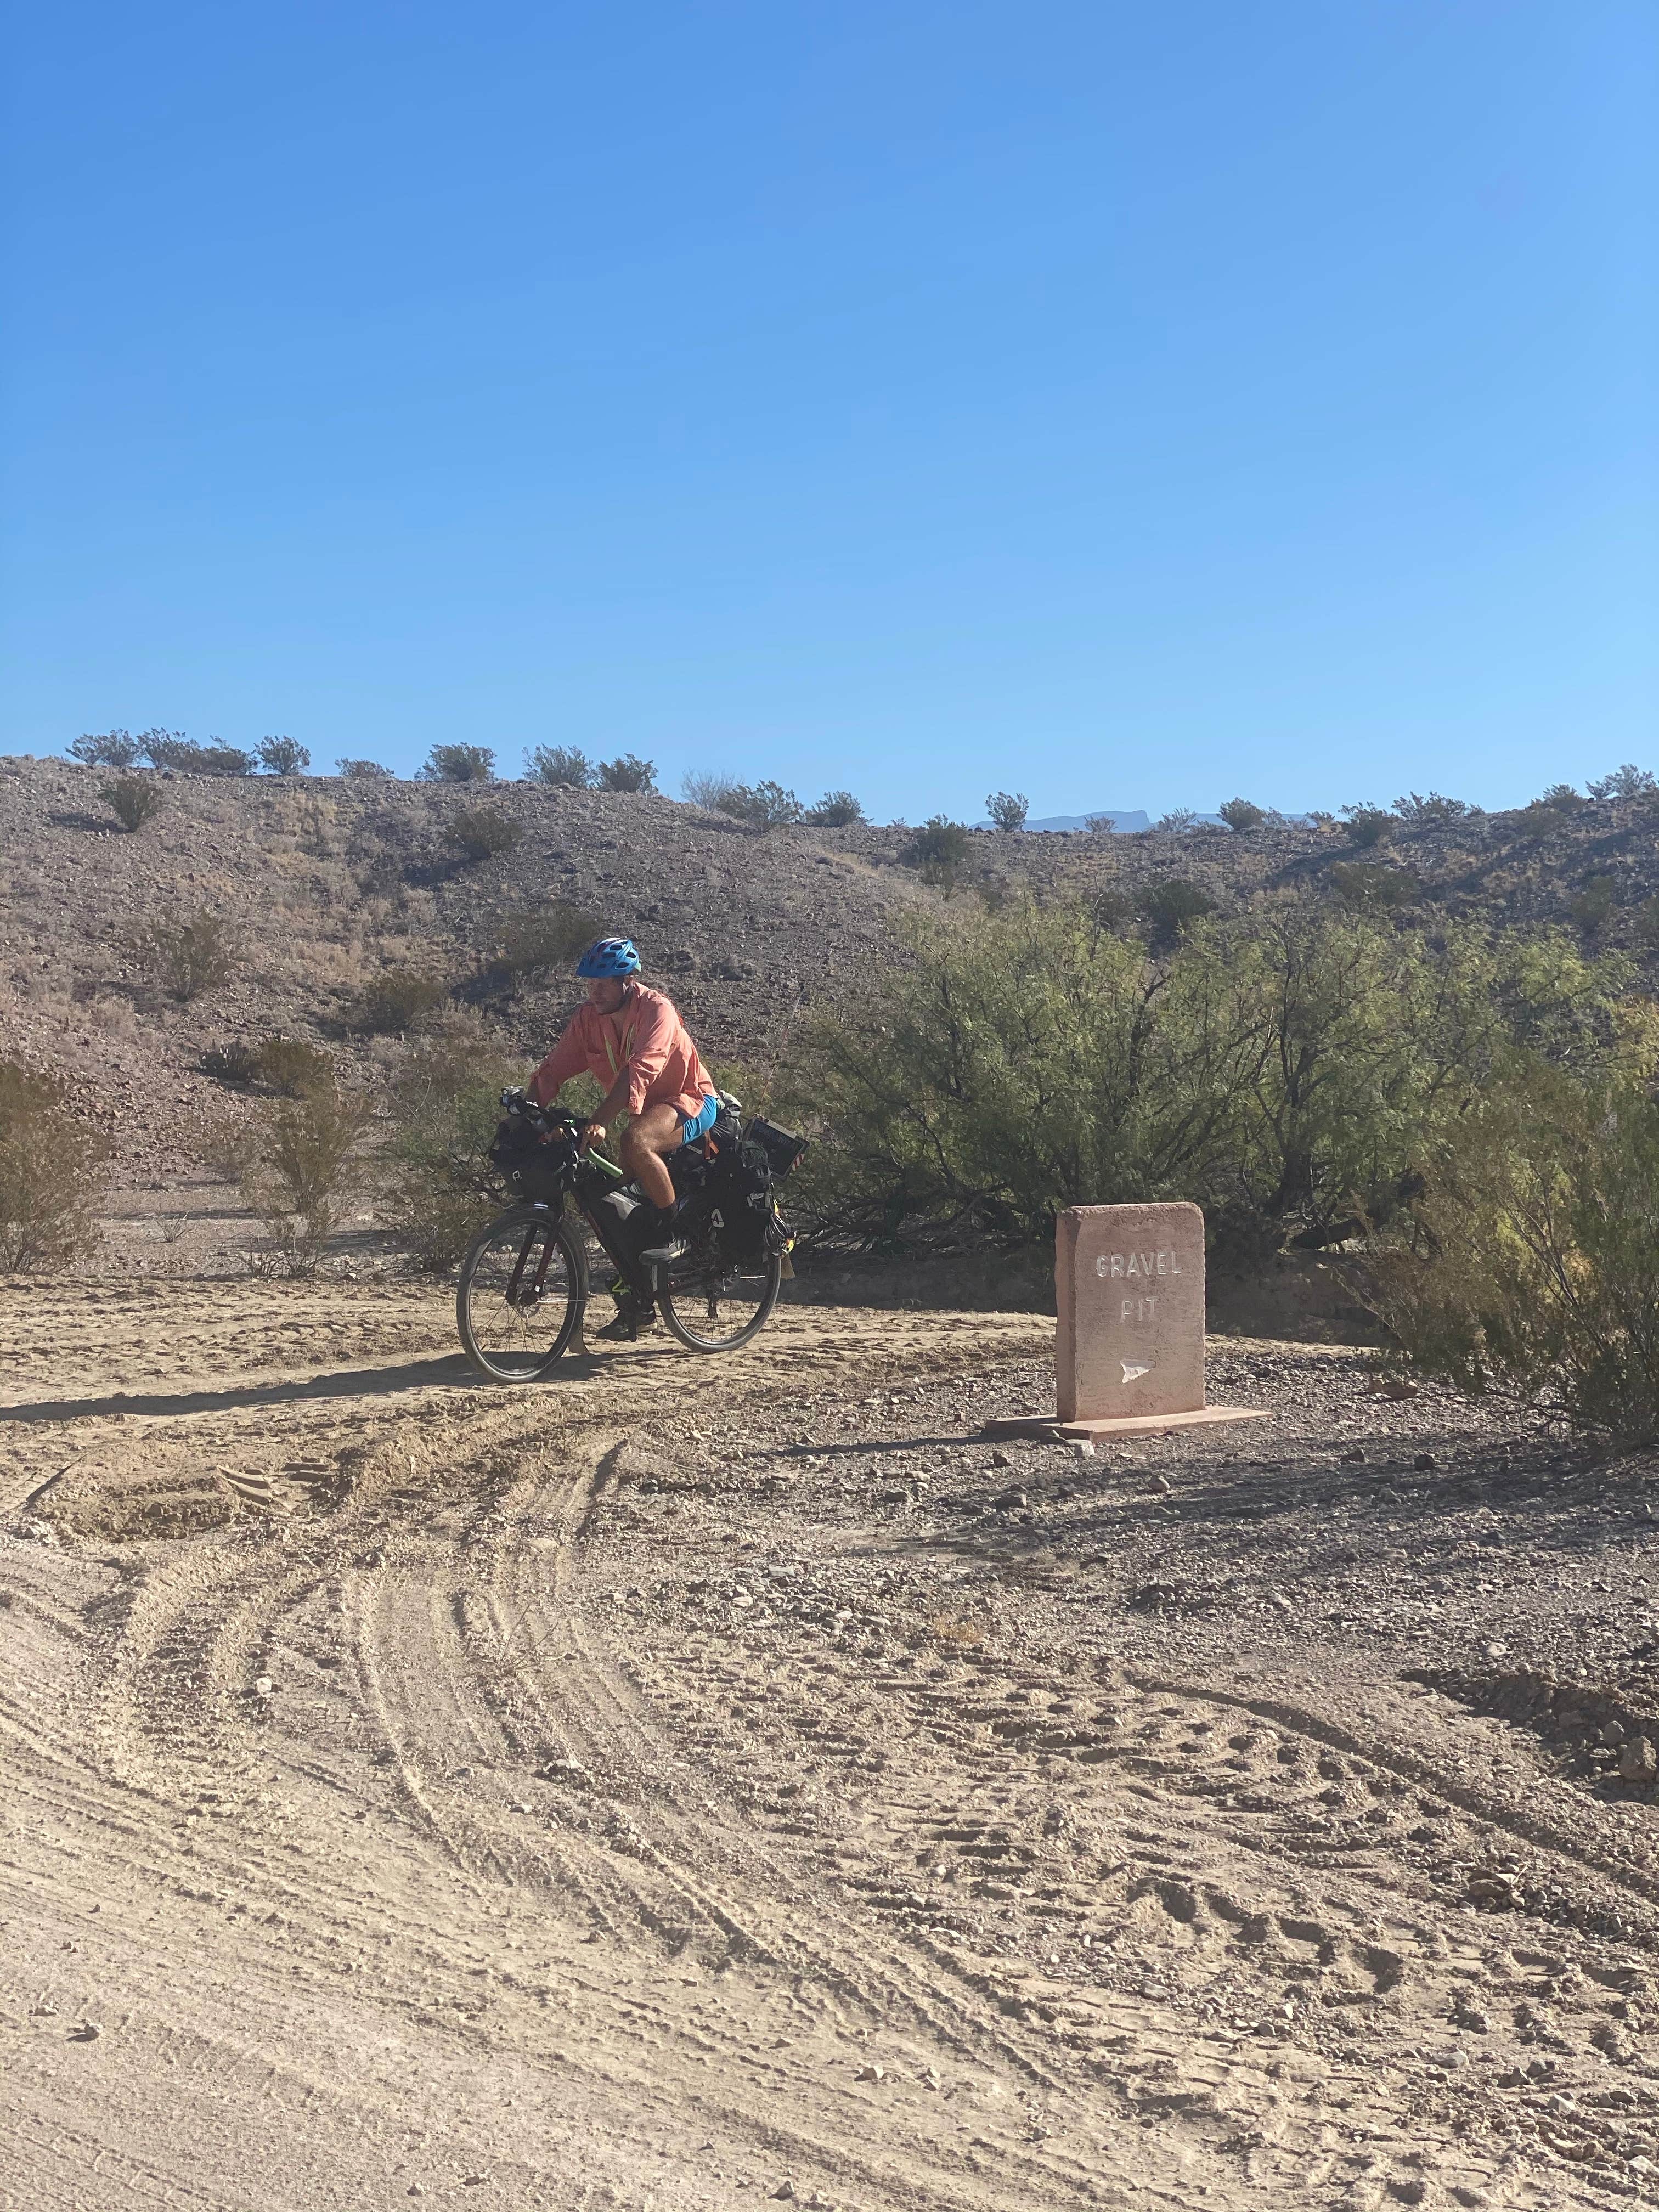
(647, 1037)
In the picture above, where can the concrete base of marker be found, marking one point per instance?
(1124, 1424)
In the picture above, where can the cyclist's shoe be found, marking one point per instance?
(622, 1202)
(665, 1254)
(631, 1322)
(667, 1245)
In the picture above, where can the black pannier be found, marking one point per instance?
(534, 1170)
(741, 1185)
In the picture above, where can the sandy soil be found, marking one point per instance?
(694, 1784)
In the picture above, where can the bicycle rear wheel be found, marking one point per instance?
(523, 1287)
(713, 1304)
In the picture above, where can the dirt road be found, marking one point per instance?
(704, 1783)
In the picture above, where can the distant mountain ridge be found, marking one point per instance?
(1125, 819)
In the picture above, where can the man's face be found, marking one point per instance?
(606, 993)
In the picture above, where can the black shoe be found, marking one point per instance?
(628, 1328)
(666, 1245)
(665, 1254)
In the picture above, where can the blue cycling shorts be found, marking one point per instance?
(699, 1124)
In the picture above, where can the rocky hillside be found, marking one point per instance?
(323, 885)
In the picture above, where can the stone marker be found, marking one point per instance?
(1129, 1340)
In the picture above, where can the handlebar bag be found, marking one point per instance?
(534, 1170)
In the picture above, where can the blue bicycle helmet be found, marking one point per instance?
(610, 956)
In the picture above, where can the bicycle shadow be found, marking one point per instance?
(450, 1372)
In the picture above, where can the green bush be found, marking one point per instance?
(133, 801)
(1625, 787)
(1597, 903)
(1180, 822)
(1434, 811)
(291, 1067)
(1173, 907)
(363, 771)
(172, 748)
(1562, 799)
(480, 833)
(764, 806)
(628, 772)
(836, 810)
(561, 767)
(237, 1062)
(50, 1170)
(1288, 1069)
(1243, 815)
(938, 850)
(283, 757)
(300, 1169)
(1370, 825)
(541, 938)
(710, 790)
(391, 1004)
(1006, 810)
(458, 764)
(113, 748)
(1371, 884)
(1532, 1264)
(188, 955)
(445, 1102)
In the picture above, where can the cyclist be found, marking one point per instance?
(631, 1039)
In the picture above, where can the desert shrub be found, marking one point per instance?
(1372, 884)
(1562, 799)
(292, 1066)
(445, 1102)
(113, 748)
(628, 772)
(710, 790)
(51, 1168)
(1539, 821)
(1101, 825)
(542, 937)
(300, 1170)
(1172, 906)
(1243, 814)
(1180, 822)
(1532, 1262)
(283, 757)
(1597, 903)
(1290, 1069)
(938, 850)
(458, 764)
(1625, 785)
(132, 799)
(237, 1062)
(173, 749)
(561, 767)
(481, 832)
(1368, 825)
(1432, 811)
(764, 805)
(836, 810)
(187, 955)
(362, 771)
(393, 1003)
(1006, 810)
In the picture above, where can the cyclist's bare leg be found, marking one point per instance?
(651, 1133)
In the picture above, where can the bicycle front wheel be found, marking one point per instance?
(713, 1305)
(523, 1287)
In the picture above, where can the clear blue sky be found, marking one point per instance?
(1131, 405)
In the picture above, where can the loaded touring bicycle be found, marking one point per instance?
(525, 1280)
